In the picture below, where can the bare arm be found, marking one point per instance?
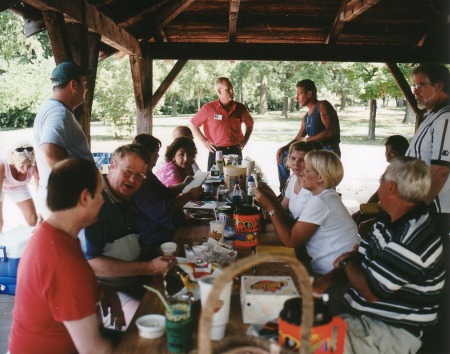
(199, 135)
(2, 176)
(113, 267)
(301, 133)
(248, 132)
(86, 336)
(327, 113)
(439, 175)
(182, 199)
(53, 153)
(36, 177)
(299, 233)
(356, 275)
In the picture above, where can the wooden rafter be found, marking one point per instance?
(167, 81)
(406, 90)
(338, 24)
(355, 8)
(82, 12)
(57, 33)
(233, 16)
(170, 12)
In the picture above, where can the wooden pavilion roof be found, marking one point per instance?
(327, 30)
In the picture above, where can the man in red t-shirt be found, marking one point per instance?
(222, 123)
(56, 302)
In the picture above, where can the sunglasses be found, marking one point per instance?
(22, 149)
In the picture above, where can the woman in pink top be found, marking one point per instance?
(16, 170)
(178, 166)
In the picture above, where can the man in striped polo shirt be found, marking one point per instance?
(397, 274)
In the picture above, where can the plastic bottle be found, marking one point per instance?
(222, 193)
(219, 162)
(214, 171)
(250, 190)
(237, 195)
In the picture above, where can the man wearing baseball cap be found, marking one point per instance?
(57, 133)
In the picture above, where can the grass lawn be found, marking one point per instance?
(363, 159)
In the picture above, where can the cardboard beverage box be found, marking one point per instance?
(12, 245)
(263, 297)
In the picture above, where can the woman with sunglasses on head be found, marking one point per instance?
(179, 158)
(16, 170)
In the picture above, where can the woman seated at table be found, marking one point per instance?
(295, 196)
(157, 209)
(16, 169)
(324, 226)
(179, 158)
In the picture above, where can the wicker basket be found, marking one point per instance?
(254, 345)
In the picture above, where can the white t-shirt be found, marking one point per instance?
(298, 201)
(337, 232)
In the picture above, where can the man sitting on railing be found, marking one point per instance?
(397, 274)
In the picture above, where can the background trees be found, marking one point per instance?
(25, 64)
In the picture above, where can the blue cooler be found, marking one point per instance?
(12, 245)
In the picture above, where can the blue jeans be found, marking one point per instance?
(283, 171)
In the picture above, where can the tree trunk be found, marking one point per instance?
(198, 99)
(372, 118)
(174, 106)
(292, 105)
(263, 96)
(410, 117)
(343, 102)
(284, 111)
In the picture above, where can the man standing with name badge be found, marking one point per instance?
(222, 123)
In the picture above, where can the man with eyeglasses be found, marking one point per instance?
(111, 244)
(57, 133)
(431, 143)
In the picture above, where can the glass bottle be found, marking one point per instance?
(214, 172)
(222, 193)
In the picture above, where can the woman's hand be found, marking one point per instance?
(187, 180)
(280, 154)
(265, 196)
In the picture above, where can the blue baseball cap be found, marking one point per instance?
(66, 71)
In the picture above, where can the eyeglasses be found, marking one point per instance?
(128, 172)
(22, 149)
(420, 85)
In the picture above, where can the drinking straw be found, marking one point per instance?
(157, 292)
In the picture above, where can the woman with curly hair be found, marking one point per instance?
(178, 166)
(16, 170)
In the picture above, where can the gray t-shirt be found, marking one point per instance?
(56, 124)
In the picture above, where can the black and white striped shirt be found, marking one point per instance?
(431, 143)
(405, 270)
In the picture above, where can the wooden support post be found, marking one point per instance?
(57, 33)
(142, 75)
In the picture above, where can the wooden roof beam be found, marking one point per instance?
(82, 12)
(233, 16)
(167, 81)
(338, 24)
(355, 8)
(296, 52)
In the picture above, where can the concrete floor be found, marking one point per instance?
(6, 308)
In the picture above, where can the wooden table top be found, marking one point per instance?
(150, 304)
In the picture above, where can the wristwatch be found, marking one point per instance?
(343, 262)
(272, 212)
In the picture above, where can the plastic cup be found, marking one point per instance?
(179, 326)
(222, 307)
(217, 230)
(169, 248)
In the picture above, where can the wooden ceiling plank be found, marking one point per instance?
(95, 22)
(167, 81)
(356, 8)
(338, 24)
(233, 16)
